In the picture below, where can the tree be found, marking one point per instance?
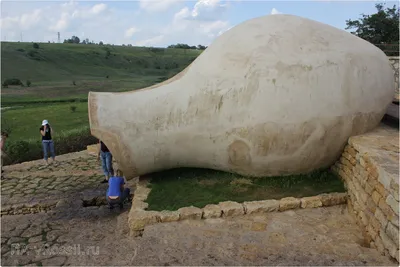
(73, 40)
(76, 40)
(186, 46)
(379, 28)
(101, 43)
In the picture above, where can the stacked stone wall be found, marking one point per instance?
(373, 188)
(395, 64)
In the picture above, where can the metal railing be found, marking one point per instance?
(389, 49)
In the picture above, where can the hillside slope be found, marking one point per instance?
(58, 62)
(63, 72)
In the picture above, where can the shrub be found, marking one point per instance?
(20, 50)
(171, 65)
(28, 83)
(22, 151)
(156, 49)
(65, 142)
(13, 81)
(107, 76)
(73, 83)
(73, 108)
(35, 45)
(34, 55)
(6, 124)
(108, 53)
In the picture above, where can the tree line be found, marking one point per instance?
(186, 46)
(76, 40)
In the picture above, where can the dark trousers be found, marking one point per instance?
(120, 200)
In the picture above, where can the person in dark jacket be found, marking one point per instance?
(47, 141)
(106, 161)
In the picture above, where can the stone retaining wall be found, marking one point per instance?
(139, 217)
(395, 64)
(369, 168)
(26, 209)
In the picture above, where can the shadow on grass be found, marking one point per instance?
(184, 187)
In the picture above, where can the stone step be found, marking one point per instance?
(93, 149)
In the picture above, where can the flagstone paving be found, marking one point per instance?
(70, 234)
(73, 176)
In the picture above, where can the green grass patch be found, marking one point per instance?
(23, 123)
(65, 142)
(174, 189)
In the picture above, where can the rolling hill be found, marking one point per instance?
(68, 71)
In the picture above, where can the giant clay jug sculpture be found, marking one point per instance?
(275, 95)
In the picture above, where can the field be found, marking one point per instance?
(61, 76)
(174, 189)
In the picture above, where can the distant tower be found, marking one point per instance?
(59, 41)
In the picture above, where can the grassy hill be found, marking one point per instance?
(53, 68)
(61, 76)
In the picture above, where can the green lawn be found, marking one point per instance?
(171, 190)
(24, 123)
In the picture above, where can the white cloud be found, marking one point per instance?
(157, 5)
(182, 14)
(199, 25)
(274, 11)
(205, 10)
(62, 23)
(130, 32)
(208, 9)
(24, 22)
(96, 9)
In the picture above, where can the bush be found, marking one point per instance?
(28, 83)
(64, 142)
(35, 45)
(108, 53)
(156, 49)
(20, 50)
(13, 81)
(73, 82)
(73, 108)
(34, 55)
(171, 65)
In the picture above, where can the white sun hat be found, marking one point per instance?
(44, 122)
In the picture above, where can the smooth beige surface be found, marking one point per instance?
(274, 95)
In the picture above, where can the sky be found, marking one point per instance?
(157, 23)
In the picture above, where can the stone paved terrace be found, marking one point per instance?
(75, 176)
(321, 236)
